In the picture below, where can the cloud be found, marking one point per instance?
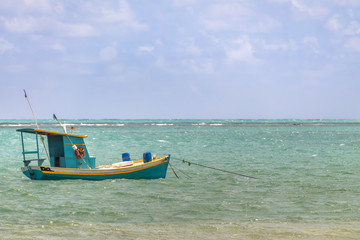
(58, 47)
(186, 2)
(189, 47)
(16, 68)
(25, 6)
(313, 43)
(6, 46)
(91, 19)
(309, 11)
(122, 14)
(77, 30)
(353, 44)
(146, 49)
(240, 50)
(108, 53)
(347, 3)
(333, 23)
(353, 28)
(283, 46)
(193, 50)
(343, 26)
(23, 24)
(235, 16)
(203, 66)
(36, 5)
(225, 16)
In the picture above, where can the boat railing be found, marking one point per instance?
(28, 161)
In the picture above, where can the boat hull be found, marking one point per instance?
(151, 170)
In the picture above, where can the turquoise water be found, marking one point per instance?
(307, 186)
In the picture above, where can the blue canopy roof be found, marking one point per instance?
(46, 132)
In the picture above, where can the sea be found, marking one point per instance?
(303, 182)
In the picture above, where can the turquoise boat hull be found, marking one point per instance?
(151, 170)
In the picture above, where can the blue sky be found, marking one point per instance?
(180, 58)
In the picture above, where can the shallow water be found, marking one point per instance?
(306, 187)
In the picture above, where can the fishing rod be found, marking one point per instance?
(217, 169)
(41, 137)
(73, 145)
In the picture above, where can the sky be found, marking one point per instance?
(180, 59)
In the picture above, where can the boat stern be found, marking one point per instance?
(33, 172)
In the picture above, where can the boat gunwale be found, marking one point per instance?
(153, 163)
(100, 172)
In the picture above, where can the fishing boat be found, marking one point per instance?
(69, 158)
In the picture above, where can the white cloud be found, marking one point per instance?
(204, 66)
(25, 6)
(283, 46)
(16, 68)
(353, 44)
(161, 62)
(22, 24)
(189, 47)
(193, 50)
(280, 1)
(58, 47)
(334, 23)
(352, 29)
(343, 25)
(309, 11)
(77, 30)
(347, 3)
(123, 14)
(108, 53)
(36, 5)
(224, 16)
(313, 43)
(147, 49)
(236, 16)
(65, 19)
(240, 50)
(44, 24)
(311, 40)
(186, 2)
(6, 46)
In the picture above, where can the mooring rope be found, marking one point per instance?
(213, 168)
(181, 171)
(173, 170)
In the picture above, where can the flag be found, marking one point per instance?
(54, 116)
(25, 93)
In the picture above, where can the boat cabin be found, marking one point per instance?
(64, 150)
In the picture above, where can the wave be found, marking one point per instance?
(99, 124)
(179, 123)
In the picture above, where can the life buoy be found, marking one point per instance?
(80, 152)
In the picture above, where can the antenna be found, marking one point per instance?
(31, 109)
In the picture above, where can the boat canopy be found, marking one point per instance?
(46, 132)
(64, 150)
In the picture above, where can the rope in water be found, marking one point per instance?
(181, 171)
(217, 169)
(173, 170)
